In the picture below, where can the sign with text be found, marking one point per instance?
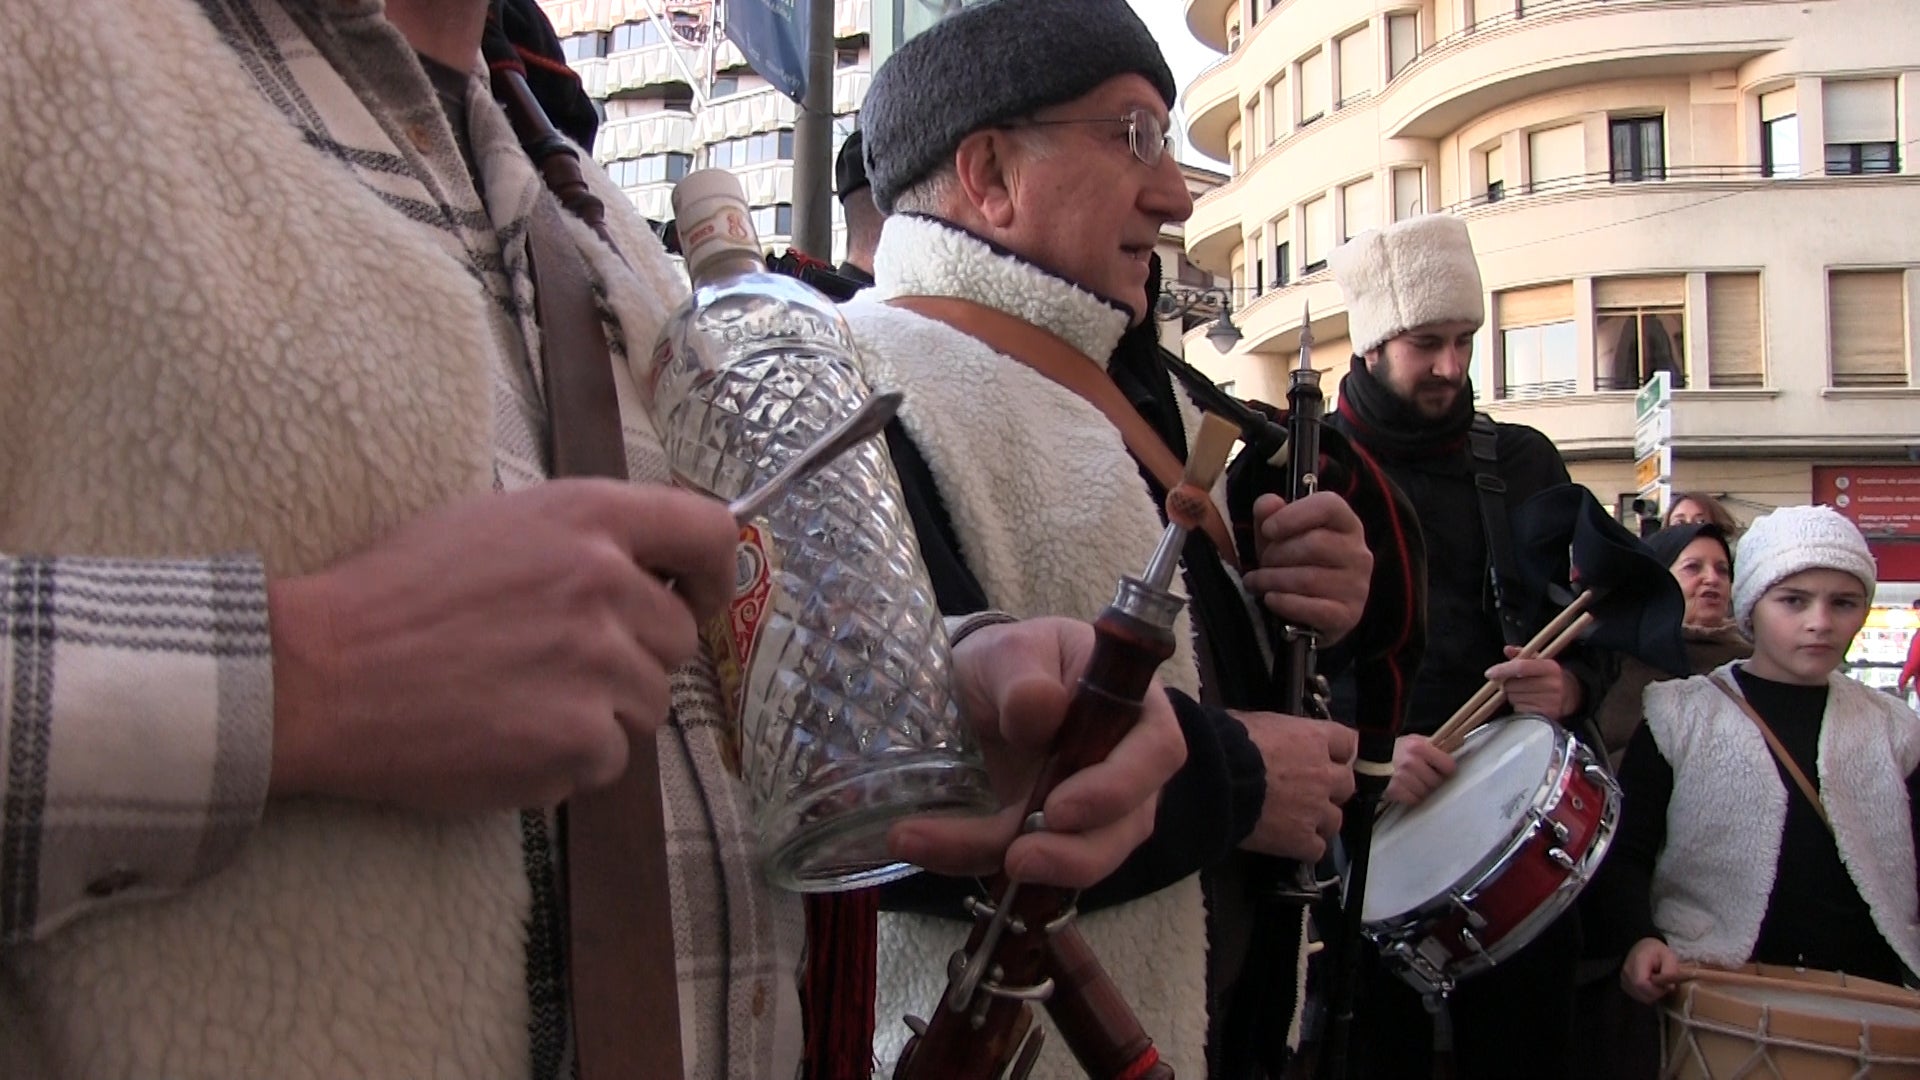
(1883, 500)
(1653, 437)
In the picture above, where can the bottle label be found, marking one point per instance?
(732, 635)
(727, 228)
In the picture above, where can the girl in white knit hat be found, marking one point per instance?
(1769, 805)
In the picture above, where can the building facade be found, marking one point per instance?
(676, 96)
(1722, 189)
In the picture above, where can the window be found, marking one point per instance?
(1233, 36)
(1250, 131)
(1357, 64)
(1496, 175)
(1779, 134)
(1319, 215)
(1539, 342)
(1403, 42)
(1480, 371)
(636, 35)
(846, 58)
(1314, 88)
(1639, 149)
(1558, 156)
(1359, 207)
(1639, 328)
(1259, 276)
(1234, 156)
(590, 46)
(1867, 319)
(776, 220)
(651, 169)
(724, 85)
(768, 146)
(1862, 159)
(1282, 231)
(1279, 109)
(1226, 387)
(1862, 127)
(1735, 356)
(1409, 194)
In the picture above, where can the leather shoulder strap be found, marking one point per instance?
(1779, 752)
(1061, 363)
(622, 977)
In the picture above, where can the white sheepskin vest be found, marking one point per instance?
(1714, 877)
(1050, 511)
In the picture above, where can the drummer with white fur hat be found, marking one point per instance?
(1415, 302)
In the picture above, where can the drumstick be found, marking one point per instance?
(1530, 650)
(1873, 995)
(1480, 716)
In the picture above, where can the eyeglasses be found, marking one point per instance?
(1147, 134)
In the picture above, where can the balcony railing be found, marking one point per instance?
(1536, 390)
(1523, 11)
(1610, 178)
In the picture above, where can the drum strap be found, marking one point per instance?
(1779, 751)
(1503, 569)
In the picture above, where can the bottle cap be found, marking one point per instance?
(711, 209)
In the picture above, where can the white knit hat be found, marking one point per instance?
(1792, 539)
(1412, 273)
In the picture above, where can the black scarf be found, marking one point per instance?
(1391, 428)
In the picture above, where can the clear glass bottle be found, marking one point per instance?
(833, 656)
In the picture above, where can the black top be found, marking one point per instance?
(450, 86)
(1815, 916)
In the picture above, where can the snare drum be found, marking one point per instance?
(1778, 1021)
(1480, 867)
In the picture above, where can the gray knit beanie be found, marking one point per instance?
(990, 63)
(1792, 539)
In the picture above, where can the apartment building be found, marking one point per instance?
(1723, 189)
(675, 95)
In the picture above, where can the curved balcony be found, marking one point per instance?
(647, 72)
(852, 18)
(1207, 22)
(1214, 229)
(767, 109)
(1212, 105)
(1557, 44)
(637, 136)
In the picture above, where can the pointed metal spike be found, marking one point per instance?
(1306, 335)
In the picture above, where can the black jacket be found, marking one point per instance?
(1463, 631)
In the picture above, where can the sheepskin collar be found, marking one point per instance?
(923, 256)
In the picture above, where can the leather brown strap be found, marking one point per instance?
(1779, 751)
(1061, 363)
(620, 952)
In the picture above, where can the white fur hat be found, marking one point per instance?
(1411, 273)
(1792, 539)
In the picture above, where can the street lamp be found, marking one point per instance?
(1181, 302)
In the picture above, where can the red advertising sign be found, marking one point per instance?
(1884, 500)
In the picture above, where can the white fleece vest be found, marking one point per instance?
(1050, 511)
(1712, 881)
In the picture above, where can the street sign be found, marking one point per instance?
(1653, 438)
(1656, 395)
(1652, 433)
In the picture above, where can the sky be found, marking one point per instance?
(1187, 57)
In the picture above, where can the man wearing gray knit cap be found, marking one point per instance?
(1022, 149)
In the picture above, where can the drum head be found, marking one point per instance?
(1421, 853)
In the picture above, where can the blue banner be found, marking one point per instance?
(772, 35)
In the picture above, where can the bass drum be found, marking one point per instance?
(1479, 868)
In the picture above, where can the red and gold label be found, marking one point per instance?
(731, 636)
